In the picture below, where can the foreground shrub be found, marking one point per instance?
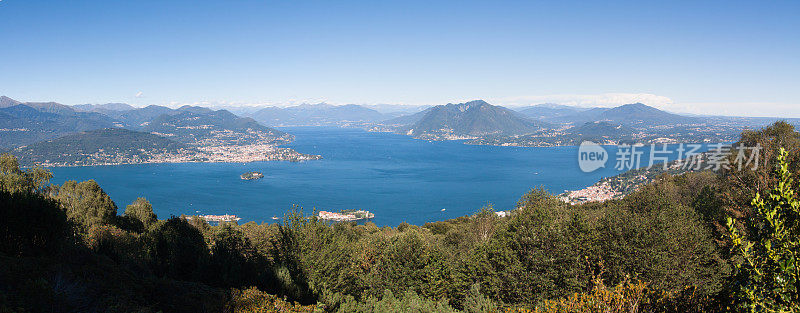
(409, 302)
(252, 300)
(769, 276)
(627, 296)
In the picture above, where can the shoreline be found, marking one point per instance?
(166, 162)
(483, 141)
(212, 154)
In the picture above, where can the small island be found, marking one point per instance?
(345, 215)
(252, 175)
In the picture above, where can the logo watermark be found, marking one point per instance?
(592, 156)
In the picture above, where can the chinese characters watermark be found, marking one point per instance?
(720, 156)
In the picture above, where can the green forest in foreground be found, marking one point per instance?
(697, 242)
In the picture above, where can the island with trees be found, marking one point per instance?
(251, 175)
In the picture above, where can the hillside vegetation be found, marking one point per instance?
(470, 119)
(107, 145)
(663, 248)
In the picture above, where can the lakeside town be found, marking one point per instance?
(118, 146)
(345, 215)
(599, 192)
(211, 154)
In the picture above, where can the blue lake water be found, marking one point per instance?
(398, 178)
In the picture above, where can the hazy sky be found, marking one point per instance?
(718, 57)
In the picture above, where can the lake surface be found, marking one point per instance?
(398, 178)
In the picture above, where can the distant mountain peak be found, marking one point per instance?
(195, 109)
(637, 105)
(472, 103)
(314, 105)
(642, 114)
(105, 108)
(7, 102)
(463, 107)
(550, 105)
(316, 114)
(20, 109)
(473, 118)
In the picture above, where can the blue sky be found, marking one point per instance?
(716, 57)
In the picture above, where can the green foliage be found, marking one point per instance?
(13, 179)
(409, 302)
(177, 250)
(739, 186)
(546, 249)
(252, 300)
(233, 259)
(476, 302)
(85, 203)
(292, 244)
(484, 224)
(546, 254)
(769, 275)
(625, 297)
(141, 211)
(31, 224)
(653, 235)
(97, 146)
(120, 245)
(540, 252)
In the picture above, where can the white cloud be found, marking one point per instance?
(228, 104)
(754, 109)
(598, 100)
(757, 109)
(139, 94)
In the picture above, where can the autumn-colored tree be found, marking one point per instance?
(252, 300)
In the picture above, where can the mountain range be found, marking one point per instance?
(107, 144)
(320, 114)
(634, 114)
(471, 119)
(109, 109)
(24, 123)
(550, 110)
(196, 126)
(29, 122)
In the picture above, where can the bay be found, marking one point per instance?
(398, 178)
